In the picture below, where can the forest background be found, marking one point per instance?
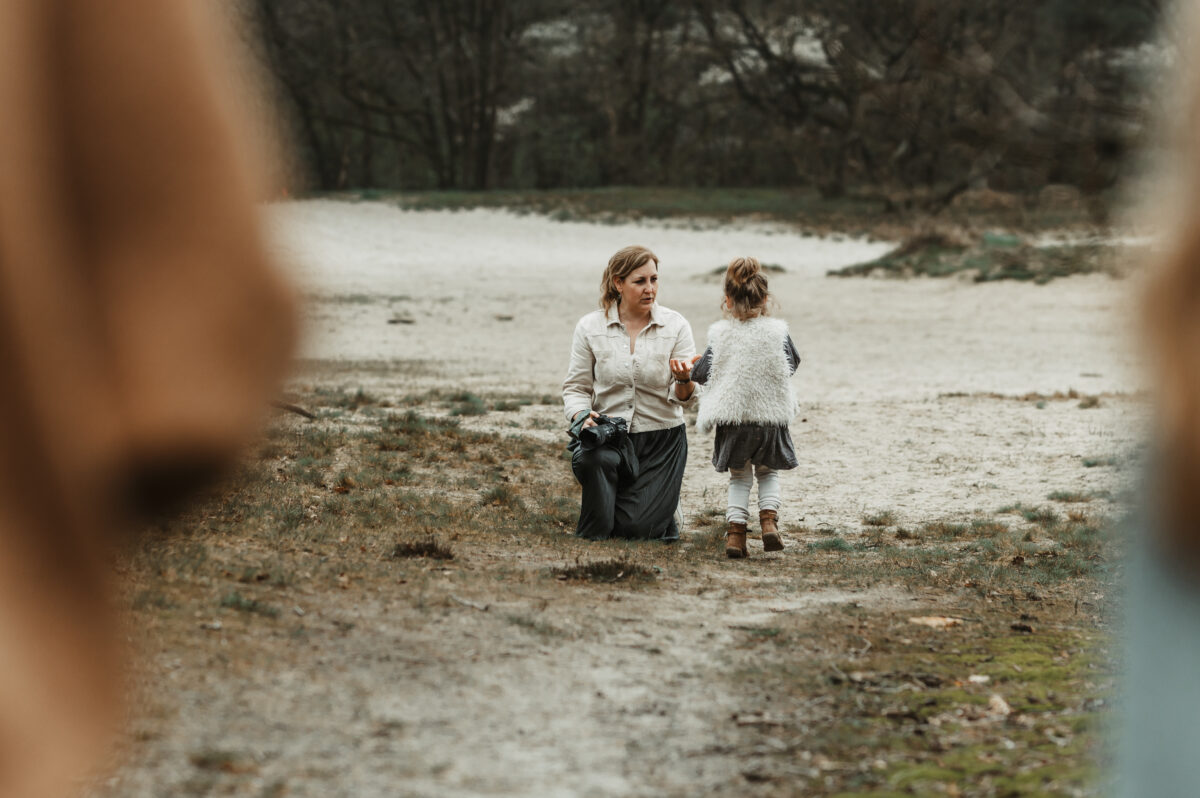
(908, 103)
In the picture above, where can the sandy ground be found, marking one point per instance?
(486, 301)
(910, 404)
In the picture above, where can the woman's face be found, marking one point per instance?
(639, 289)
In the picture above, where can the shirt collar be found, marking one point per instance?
(614, 317)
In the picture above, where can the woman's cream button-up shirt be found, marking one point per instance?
(604, 376)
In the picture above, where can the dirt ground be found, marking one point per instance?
(963, 451)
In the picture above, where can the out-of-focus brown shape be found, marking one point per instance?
(142, 331)
(1172, 321)
(1174, 331)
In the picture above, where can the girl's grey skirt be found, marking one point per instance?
(758, 444)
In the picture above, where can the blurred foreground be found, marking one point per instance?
(388, 598)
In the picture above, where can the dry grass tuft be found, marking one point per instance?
(612, 570)
(882, 518)
(430, 548)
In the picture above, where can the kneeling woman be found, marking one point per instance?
(630, 359)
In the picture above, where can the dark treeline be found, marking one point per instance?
(910, 100)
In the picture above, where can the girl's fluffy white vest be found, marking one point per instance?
(749, 380)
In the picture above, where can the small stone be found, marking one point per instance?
(998, 706)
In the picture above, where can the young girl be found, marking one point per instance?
(748, 398)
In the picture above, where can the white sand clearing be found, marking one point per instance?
(486, 300)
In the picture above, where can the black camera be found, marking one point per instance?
(608, 429)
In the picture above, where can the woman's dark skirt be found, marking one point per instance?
(631, 491)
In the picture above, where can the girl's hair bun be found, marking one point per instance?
(746, 288)
(742, 269)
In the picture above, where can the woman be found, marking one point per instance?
(631, 359)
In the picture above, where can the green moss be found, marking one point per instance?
(935, 254)
(908, 776)
(831, 544)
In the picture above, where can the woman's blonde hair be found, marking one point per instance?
(620, 266)
(746, 289)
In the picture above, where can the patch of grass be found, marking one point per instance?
(702, 208)
(430, 440)
(611, 570)
(468, 404)
(622, 203)
(905, 704)
(236, 601)
(1043, 516)
(872, 538)
(945, 252)
(429, 548)
(502, 496)
(945, 529)
(1097, 462)
(711, 516)
(1088, 402)
(987, 527)
(1069, 496)
(710, 525)
(326, 397)
(882, 518)
(834, 543)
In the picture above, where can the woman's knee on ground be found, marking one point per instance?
(633, 529)
(602, 458)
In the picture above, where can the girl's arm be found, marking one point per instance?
(577, 387)
(703, 367)
(789, 348)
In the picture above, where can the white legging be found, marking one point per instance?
(740, 479)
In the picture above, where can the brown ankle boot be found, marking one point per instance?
(735, 541)
(767, 519)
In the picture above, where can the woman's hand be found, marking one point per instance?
(681, 369)
(591, 421)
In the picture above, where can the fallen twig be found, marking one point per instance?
(297, 409)
(471, 604)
